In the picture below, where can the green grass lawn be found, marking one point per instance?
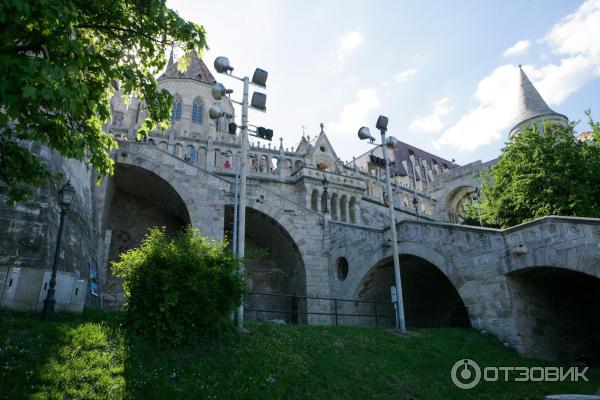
(92, 357)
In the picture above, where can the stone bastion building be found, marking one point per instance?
(535, 286)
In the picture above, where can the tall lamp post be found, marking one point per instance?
(364, 133)
(258, 102)
(66, 195)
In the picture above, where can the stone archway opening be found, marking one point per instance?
(139, 200)
(430, 299)
(275, 272)
(557, 312)
(457, 200)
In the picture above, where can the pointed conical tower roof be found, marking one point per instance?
(197, 70)
(532, 106)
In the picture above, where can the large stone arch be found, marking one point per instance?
(421, 268)
(275, 267)
(556, 313)
(139, 199)
(199, 191)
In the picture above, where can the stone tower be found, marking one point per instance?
(533, 108)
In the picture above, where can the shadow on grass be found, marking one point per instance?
(92, 356)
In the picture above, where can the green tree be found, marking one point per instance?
(539, 174)
(58, 62)
(180, 287)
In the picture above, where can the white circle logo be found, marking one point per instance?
(465, 374)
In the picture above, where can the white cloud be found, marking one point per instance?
(576, 38)
(497, 94)
(347, 44)
(351, 118)
(405, 75)
(521, 47)
(435, 121)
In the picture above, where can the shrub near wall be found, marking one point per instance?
(180, 287)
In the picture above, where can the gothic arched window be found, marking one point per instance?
(197, 110)
(176, 112)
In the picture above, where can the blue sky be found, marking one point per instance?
(444, 72)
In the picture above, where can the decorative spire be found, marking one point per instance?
(281, 143)
(531, 104)
(322, 126)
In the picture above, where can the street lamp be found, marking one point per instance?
(259, 79)
(364, 133)
(325, 183)
(65, 198)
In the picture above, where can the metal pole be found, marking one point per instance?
(50, 300)
(236, 193)
(243, 173)
(400, 323)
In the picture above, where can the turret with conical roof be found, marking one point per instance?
(532, 107)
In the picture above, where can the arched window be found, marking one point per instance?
(314, 200)
(352, 210)
(176, 112)
(191, 153)
(197, 110)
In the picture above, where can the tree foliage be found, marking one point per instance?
(58, 62)
(178, 288)
(540, 174)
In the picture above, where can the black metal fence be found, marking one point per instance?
(297, 309)
(304, 309)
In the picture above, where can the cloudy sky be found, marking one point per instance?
(444, 72)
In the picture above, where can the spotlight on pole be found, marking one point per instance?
(216, 111)
(222, 65)
(259, 101)
(365, 133)
(382, 123)
(260, 77)
(218, 91)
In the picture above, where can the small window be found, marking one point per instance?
(322, 148)
(197, 110)
(342, 268)
(176, 112)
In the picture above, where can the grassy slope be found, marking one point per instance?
(91, 357)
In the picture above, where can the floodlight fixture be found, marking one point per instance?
(382, 123)
(259, 101)
(216, 111)
(260, 77)
(391, 141)
(218, 91)
(222, 65)
(365, 133)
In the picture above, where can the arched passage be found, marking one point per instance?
(139, 200)
(274, 265)
(430, 299)
(557, 313)
(456, 201)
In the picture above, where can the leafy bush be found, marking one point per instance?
(542, 173)
(180, 287)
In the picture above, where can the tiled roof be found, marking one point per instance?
(197, 70)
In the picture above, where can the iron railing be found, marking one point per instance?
(297, 310)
